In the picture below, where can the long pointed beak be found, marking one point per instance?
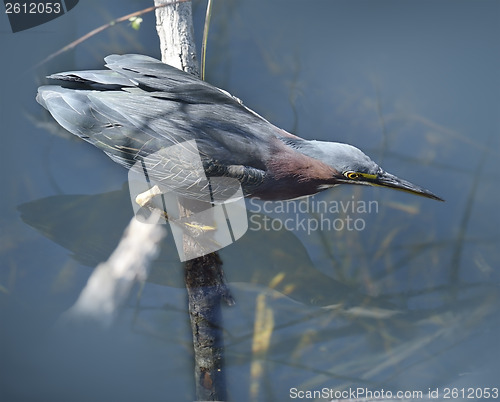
(388, 180)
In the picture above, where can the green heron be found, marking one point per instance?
(141, 106)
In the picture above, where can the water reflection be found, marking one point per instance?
(408, 303)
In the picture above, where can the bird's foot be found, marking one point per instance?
(145, 197)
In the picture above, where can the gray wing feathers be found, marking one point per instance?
(143, 106)
(95, 78)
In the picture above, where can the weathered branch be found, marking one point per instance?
(97, 30)
(174, 25)
(204, 277)
(110, 284)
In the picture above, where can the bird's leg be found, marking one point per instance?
(194, 228)
(145, 197)
(144, 200)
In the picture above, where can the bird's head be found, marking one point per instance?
(354, 167)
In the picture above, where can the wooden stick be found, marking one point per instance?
(204, 277)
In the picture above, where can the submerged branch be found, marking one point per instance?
(109, 286)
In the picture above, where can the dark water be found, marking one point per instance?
(408, 300)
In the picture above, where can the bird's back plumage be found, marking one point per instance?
(141, 106)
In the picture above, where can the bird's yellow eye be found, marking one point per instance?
(352, 175)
